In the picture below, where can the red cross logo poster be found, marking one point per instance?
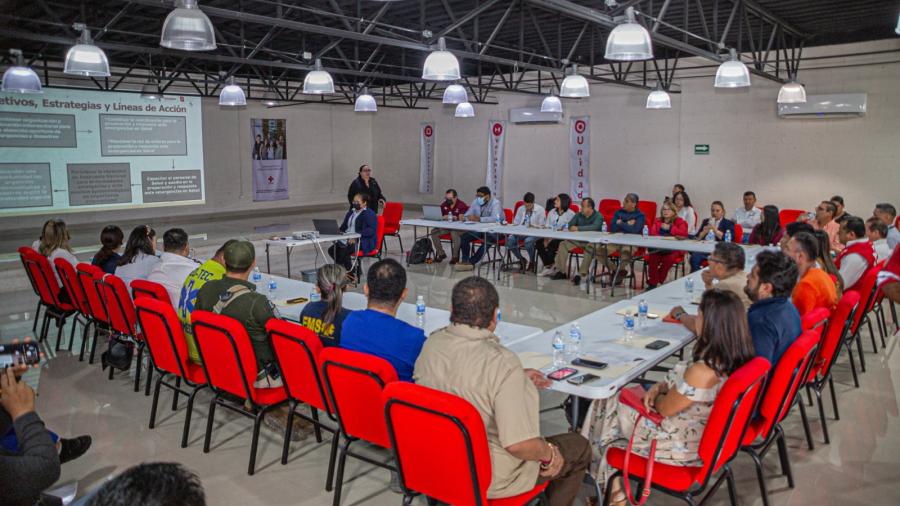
(269, 155)
(580, 157)
(496, 142)
(426, 158)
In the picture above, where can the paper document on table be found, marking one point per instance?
(696, 298)
(653, 312)
(535, 360)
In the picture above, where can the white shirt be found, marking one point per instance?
(748, 219)
(556, 221)
(853, 266)
(139, 268)
(64, 254)
(687, 214)
(537, 218)
(893, 237)
(171, 271)
(882, 249)
(351, 223)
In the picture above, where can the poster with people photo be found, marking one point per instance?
(269, 154)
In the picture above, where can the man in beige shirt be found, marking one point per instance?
(725, 272)
(466, 359)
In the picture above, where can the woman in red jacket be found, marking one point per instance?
(660, 261)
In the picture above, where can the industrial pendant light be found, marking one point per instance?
(318, 81)
(441, 65)
(270, 99)
(465, 110)
(84, 58)
(732, 73)
(19, 78)
(150, 89)
(455, 94)
(574, 85)
(551, 103)
(187, 28)
(792, 92)
(897, 30)
(629, 41)
(232, 95)
(365, 102)
(659, 98)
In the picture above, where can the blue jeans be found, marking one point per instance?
(466, 245)
(512, 245)
(696, 260)
(11, 443)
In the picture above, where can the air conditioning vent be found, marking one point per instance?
(842, 105)
(533, 115)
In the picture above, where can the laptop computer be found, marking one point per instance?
(432, 213)
(327, 227)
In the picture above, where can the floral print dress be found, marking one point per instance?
(678, 437)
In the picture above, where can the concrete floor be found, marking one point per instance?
(860, 466)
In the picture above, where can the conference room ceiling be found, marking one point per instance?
(503, 45)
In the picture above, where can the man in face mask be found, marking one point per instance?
(485, 209)
(359, 220)
(452, 208)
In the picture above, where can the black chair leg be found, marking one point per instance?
(37, 314)
(209, 423)
(809, 440)
(822, 416)
(785, 458)
(872, 334)
(732, 488)
(45, 326)
(149, 374)
(175, 394)
(339, 479)
(72, 332)
(329, 479)
(84, 339)
(757, 463)
(60, 322)
(852, 363)
(137, 368)
(286, 447)
(187, 417)
(859, 346)
(251, 468)
(834, 404)
(94, 343)
(155, 401)
(314, 413)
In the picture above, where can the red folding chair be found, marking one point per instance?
(143, 288)
(724, 432)
(608, 207)
(784, 385)
(123, 322)
(738, 234)
(168, 349)
(786, 216)
(88, 277)
(423, 423)
(66, 273)
(297, 351)
(818, 317)
(392, 214)
(230, 367)
(41, 274)
(375, 253)
(648, 207)
(868, 294)
(34, 286)
(354, 382)
(519, 203)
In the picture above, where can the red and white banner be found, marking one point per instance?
(580, 157)
(496, 142)
(426, 158)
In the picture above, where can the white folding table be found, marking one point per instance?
(289, 244)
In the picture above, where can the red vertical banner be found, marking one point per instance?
(496, 143)
(580, 157)
(426, 158)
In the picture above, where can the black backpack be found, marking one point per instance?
(420, 251)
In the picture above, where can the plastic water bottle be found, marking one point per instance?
(257, 276)
(527, 220)
(565, 227)
(689, 285)
(573, 347)
(628, 323)
(314, 295)
(728, 236)
(273, 285)
(710, 236)
(643, 310)
(559, 350)
(645, 232)
(420, 311)
(603, 227)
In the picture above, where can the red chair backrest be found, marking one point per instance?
(868, 290)
(785, 381)
(786, 216)
(608, 207)
(835, 332)
(730, 415)
(23, 251)
(519, 203)
(141, 288)
(815, 318)
(738, 233)
(354, 382)
(379, 239)
(297, 351)
(392, 213)
(88, 277)
(574, 208)
(226, 353)
(648, 207)
(42, 276)
(164, 335)
(423, 423)
(119, 305)
(70, 283)
(508, 214)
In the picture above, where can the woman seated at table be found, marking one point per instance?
(326, 316)
(558, 217)
(659, 261)
(686, 397)
(769, 231)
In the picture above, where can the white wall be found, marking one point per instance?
(790, 163)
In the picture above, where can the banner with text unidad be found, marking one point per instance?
(580, 157)
(269, 154)
(496, 142)
(426, 157)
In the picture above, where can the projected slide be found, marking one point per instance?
(74, 150)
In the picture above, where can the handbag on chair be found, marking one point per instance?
(634, 397)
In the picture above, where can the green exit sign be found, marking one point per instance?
(701, 149)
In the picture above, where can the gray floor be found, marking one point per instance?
(860, 466)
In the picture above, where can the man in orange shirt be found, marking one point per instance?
(815, 288)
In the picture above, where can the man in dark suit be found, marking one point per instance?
(717, 227)
(361, 220)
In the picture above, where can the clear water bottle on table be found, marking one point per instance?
(573, 347)
(645, 233)
(273, 285)
(643, 310)
(628, 323)
(559, 350)
(689, 285)
(420, 311)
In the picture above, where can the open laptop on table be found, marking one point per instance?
(432, 213)
(327, 227)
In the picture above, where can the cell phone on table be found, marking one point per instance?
(657, 345)
(562, 373)
(19, 353)
(297, 300)
(591, 364)
(583, 379)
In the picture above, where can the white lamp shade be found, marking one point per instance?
(150, 90)
(365, 103)
(551, 103)
(455, 94)
(232, 95)
(86, 60)
(659, 99)
(732, 73)
(629, 41)
(318, 81)
(465, 110)
(897, 30)
(441, 65)
(792, 93)
(187, 28)
(574, 86)
(270, 99)
(21, 79)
